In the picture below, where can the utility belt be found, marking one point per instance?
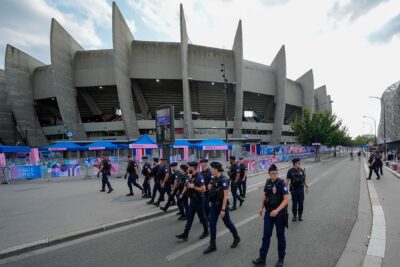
(216, 195)
(194, 195)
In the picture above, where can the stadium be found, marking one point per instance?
(113, 93)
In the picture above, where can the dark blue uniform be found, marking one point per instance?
(297, 179)
(182, 202)
(196, 204)
(207, 179)
(175, 176)
(165, 170)
(243, 180)
(220, 183)
(274, 193)
(234, 170)
(132, 176)
(146, 171)
(104, 175)
(157, 183)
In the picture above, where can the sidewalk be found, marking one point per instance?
(42, 212)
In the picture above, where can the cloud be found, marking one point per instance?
(390, 30)
(353, 9)
(132, 25)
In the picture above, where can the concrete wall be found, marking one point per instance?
(122, 41)
(279, 65)
(258, 78)
(238, 55)
(62, 50)
(19, 68)
(307, 84)
(43, 83)
(155, 60)
(322, 99)
(294, 93)
(205, 64)
(94, 68)
(7, 128)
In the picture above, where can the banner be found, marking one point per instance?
(34, 156)
(66, 168)
(25, 172)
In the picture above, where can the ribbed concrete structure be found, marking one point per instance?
(391, 100)
(113, 93)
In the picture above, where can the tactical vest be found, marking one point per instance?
(192, 193)
(216, 192)
(297, 178)
(274, 196)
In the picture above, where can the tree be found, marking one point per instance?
(339, 137)
(315, 128)
(361, 140)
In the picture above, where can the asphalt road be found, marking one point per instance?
(330, 213)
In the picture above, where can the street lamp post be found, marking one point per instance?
(376, 137)
(384, 121)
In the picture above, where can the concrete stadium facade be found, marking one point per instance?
(113, 93)
(391, 105)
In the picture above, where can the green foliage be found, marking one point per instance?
(339, 137)
(361, 140)
(320, 127)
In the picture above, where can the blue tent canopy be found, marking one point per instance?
(213, 144)
(182, 142)
(101, 145)
(144, 141)
(14, 149)
(63, 146)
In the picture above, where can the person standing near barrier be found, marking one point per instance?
(195, 189)
(219, 207)
(146, 171)
(132, 173)
(234, 176)
(105, 169)
(275, 200)
(296, 180)
(206, 173)
(157, 183)
(243, 178)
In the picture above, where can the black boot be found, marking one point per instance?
(182, 218)
(259, 262)
(150, 202)
(183, 236)
(300, 217)
(156, 203)
(164, 209)
(204, 235)
(211, 248)
(279, 263)
(130, 194)
(233, 209)
(294, 218)
(236, 240)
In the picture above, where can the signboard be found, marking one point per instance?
(165, 130)
(69, 167)
(25, 172)
(215, 147)
(316, 144)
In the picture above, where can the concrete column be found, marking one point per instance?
(144, 108)
(122, 43)
(19, 68)
(62, 50)
(7, 127)
(329, 104)
(307, 84)
(279, 65)
(187, 107)
(238, 54)
(322, 98)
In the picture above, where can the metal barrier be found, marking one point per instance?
(5, 175)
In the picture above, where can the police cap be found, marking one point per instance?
(193, 164)
(145, 157)
(240, 158)
(295, 160)
(216, 165)
(272, 168)
(173, 164)
(156, 159)
(163, 159)
(232, 157)
(203, 160)
(184, 167)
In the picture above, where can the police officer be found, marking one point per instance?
(275, 200)
(234, 176)
(163, 177)
(296, 180)
(206, 173)
(195, 189)
(182, 202)
(105, 169)
(132, 173)
(173, 181)
(155, 175)
(243, 178)
(219, 206)
(146, 171)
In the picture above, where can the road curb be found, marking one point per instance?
(64, 237)
(392, 171)
(376, 246)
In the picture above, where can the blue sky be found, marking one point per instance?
(351, 45)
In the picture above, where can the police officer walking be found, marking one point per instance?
(296, 180)
(173, 181)
(132, 173)
(195, 189)
(157, 183)
(105, 169)
(243, 178)
(275, 200)
(234, 176)
(182, 201)
(206, 173)
(163, 177)
(219, 207)
(146, 171)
